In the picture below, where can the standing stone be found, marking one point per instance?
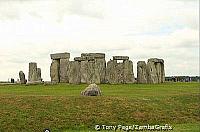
(22, 77)
(64, 69)
(128, 72)
(74, 72)
(111, 74)
(84, 71)
(119, 72)
(91, 73)
(32, 74)
(155, 70)
(141, 72)
(100, 69)
(12, 80)
(39, 78)
(54, 71)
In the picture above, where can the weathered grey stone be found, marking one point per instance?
(95, 55)
(141, 72)
(155, 70)
(91, 90)
(74, 72)
(32, 74)
(93, 67)
(22, 77)
(128, 72)
(100, 69)
(111, 74)
(64, 69)
(120, 57)
(60, 56)
(84, 71)
(80, 58)
(120, 72)
(39, 78)
(91, 73)
(54, 71)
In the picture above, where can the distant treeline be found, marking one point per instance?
(183, 78)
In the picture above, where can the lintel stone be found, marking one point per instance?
(120, 58)
(80, 58)
(64, 55)
(95, 55)
(156, 60)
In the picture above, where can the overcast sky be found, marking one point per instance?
(32, 29)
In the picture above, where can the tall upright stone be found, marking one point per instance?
(155, 70)
(32, 74)
(74, 72)
(84, 71)
(100, 69)
(39, 78)
(141, 72)
(111, 74)
(91, 77)
(22, 77)
(128, 72)
(64, 69)
(54, 71)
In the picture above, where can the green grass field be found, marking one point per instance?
(61, 108)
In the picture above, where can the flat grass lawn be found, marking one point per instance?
(61, 108)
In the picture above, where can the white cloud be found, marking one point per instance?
(31, 30)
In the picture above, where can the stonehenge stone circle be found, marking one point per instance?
(91, 90)
(34, 74)
(22, 77)
(91, 68)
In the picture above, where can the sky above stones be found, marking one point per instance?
(32, 29)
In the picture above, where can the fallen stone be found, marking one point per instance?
(91, 90)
